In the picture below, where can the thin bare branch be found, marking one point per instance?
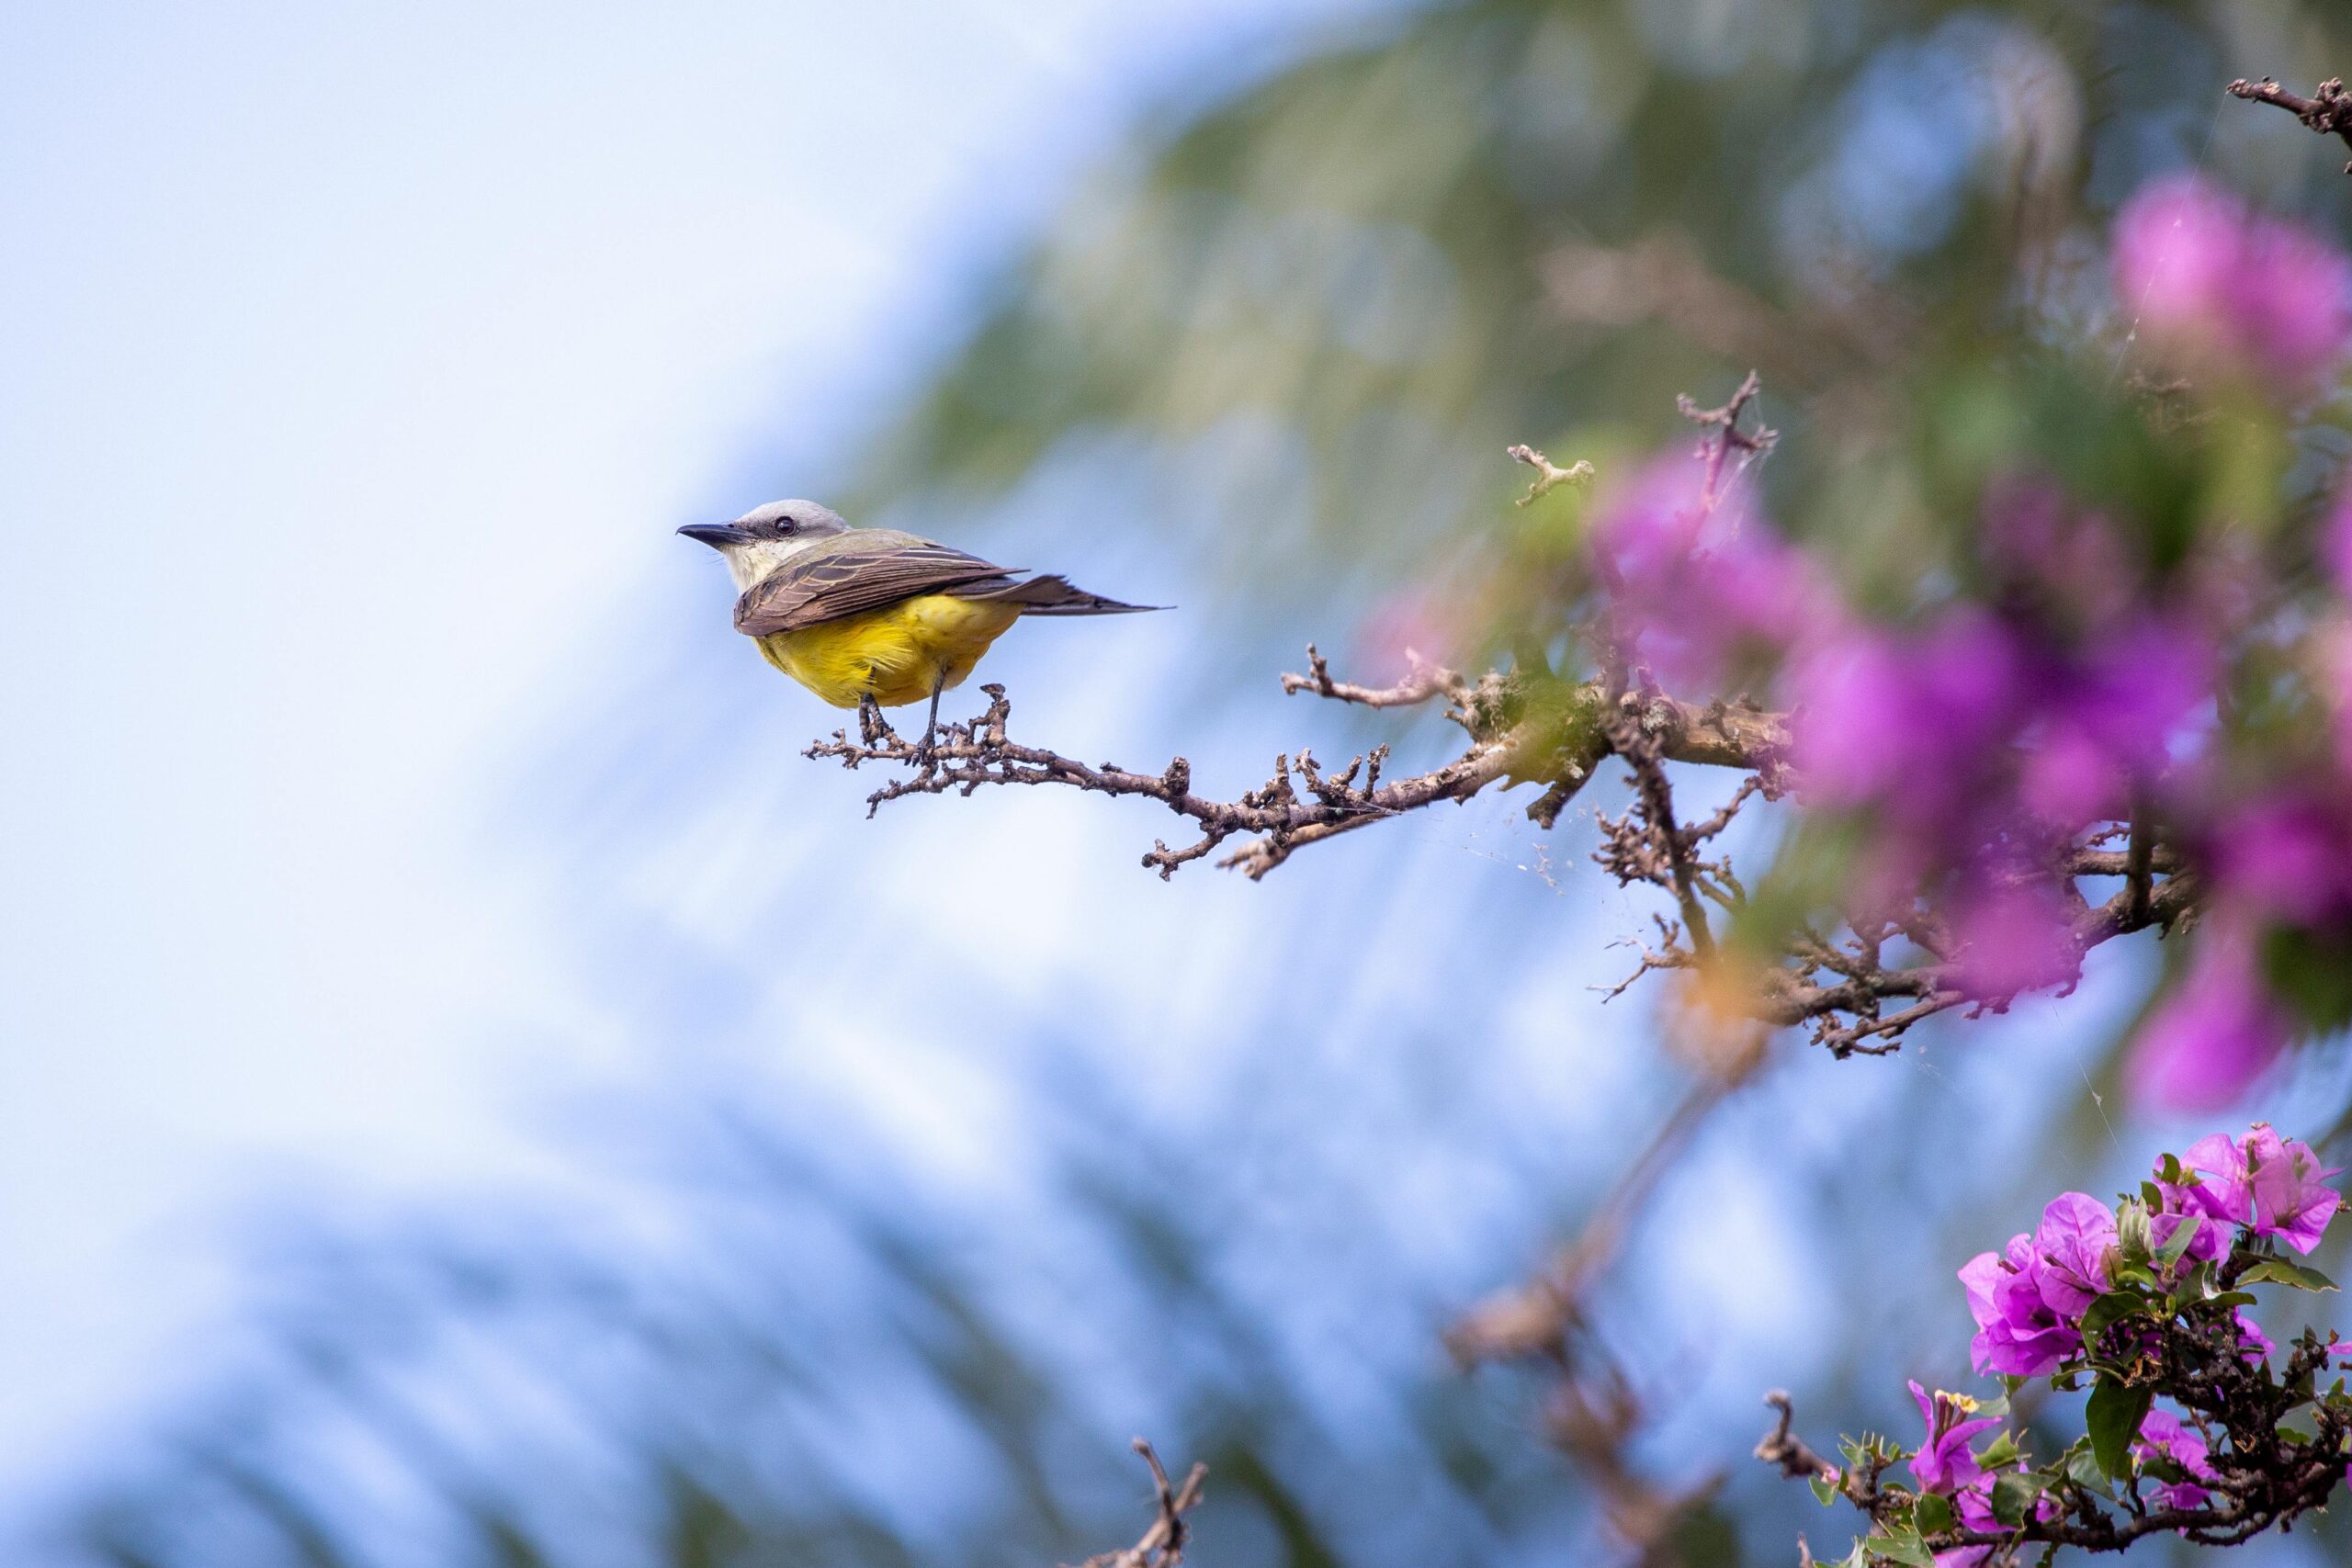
(1162, 1546)
(1555, 742)
(1421, 682)
(1547, 474)
(2327, 111)
(1728, 438)
(1782, 1448)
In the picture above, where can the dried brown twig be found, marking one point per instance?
(1162, 1546)
(1547, 473)
(1791, 1453)
(1728, 438)
(1550, 736)
(2327, 111)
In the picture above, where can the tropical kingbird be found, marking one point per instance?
(872, 614)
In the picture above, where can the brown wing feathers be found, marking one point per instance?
(1050, 595)
(839, 583)
(852, 581)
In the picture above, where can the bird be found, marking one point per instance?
(875, 616)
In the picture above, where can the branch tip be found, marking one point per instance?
(1548, 475)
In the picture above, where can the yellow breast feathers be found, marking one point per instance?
(896, 653)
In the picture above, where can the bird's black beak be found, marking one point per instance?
(718, 536)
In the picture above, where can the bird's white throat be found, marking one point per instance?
(753, 562)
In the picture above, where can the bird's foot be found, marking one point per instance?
(926, 750)
(872, 727)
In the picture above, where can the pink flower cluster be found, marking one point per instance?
(1698, 582)
(1978, 729)
(2029, 1299)
(1977, 744)
(2267, 1184)
(2078, 684)
(2279, 857)
(2164, 1435)
(2206, 278)
(1946, 1467)
(1982, 730)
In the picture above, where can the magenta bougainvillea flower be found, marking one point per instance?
(1943, 1463)
(2163, 1435)
(2224, 1201)
(1698, 582)
(2014, 937)
(2206, 1245)
(2271, 1185)
(2197, 271)
(2028, 1300)
(1904, 724)
(1973, 1502)
(2289, 1202)
(2286, 855)
(2214, 1034)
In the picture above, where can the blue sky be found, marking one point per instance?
(360, 361)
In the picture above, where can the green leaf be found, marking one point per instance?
(2182, 1239)
(2277, 1271)
(2151, 1195)
(1933, 1515)
(2001, 1450)
(1826, 1490)
(2296, 1434)
(2111, 1308)
(2113, 1416)
(2229, 1299)
(2083, 1469)
(2309, 969)
(1903, 1546)
(2134, 1233)
(2193, 1286)
(2013, 1497)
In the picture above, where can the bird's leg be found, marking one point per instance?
(931, 726)
(870, 726)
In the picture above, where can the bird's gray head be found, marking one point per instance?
(766, 536)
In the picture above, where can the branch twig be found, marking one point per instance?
(1547, 474)
(2327, 111)
(1162, 1546)
(1555, 742)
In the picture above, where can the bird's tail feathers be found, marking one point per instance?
(1050, 595)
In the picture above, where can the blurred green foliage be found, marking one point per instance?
(1326, 306)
